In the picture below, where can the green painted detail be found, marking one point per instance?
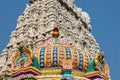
(28, 79)
(66, 71)
(67, 75)
(96, 63)
(55, 40)
(4, 76)
(25, 58)
(91, 66)
(35, 62)
(23, 47)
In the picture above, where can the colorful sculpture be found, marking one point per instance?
(24, 64)
(22, 58)
(67, 67)
(57, 61)
(98, 65)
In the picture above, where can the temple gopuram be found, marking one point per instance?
(53, 41)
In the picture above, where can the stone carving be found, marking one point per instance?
(37, 22)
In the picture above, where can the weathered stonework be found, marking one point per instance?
(37, 21)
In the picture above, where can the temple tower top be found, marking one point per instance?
(69, 1)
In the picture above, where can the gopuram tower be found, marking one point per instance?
(53, 41)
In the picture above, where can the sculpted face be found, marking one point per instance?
(67, 64)
(101, 58)
(22, 62)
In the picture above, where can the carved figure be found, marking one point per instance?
(97, 64)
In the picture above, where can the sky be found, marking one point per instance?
(105, 21)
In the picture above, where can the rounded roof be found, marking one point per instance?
(53, 55)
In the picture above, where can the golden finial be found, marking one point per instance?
(56, 31)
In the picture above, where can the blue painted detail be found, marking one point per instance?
(81, 63)
(55, 51)
(42, 65)
(55, 56)
(80, 60)
(90, 57)
(55, 48)
(42, 56)
(41, 61)
(68, 52)
(80, 66)
(42, 52)
(67, 49)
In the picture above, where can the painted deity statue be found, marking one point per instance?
(97, 64)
